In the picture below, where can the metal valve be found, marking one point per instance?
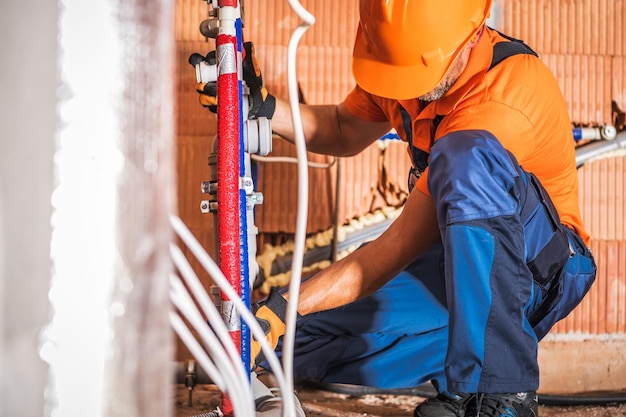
(209, 28)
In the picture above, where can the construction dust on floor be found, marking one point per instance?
(316, 403)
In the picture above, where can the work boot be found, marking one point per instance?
(522, 404)
(445, 404)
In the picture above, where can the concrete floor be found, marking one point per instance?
(317, 403)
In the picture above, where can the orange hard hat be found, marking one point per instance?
(403, 48)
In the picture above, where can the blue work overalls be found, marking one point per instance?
(482, 334)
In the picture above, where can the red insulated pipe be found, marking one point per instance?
(228, 165)
(228, 130)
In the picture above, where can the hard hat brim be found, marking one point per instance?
(400, 82)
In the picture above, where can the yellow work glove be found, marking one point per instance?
(270, 315)
(261, 103)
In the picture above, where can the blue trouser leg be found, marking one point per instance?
(394, 338)
(477, 187)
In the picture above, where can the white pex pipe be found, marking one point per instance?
(303, 192)
(220, 280)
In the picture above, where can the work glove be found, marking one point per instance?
(261, 103)
(270, 315)
(206, 74)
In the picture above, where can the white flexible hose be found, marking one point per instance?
(203, 299)
(228, 363)
(217, 340)
(303, 193)
(218, 277)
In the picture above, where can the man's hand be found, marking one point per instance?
(261, 103)
(271, 317)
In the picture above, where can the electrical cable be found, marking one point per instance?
(583, 399)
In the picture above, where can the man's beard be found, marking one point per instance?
(446, 83)
(438, 92)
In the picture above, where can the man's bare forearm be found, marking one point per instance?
(369, 268)
(319, 124)
(328, 129)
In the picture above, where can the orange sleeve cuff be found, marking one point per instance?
(362, 105)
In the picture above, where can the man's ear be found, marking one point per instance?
(476, 37)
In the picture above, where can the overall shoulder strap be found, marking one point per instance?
(503, 50)
(418, 156)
